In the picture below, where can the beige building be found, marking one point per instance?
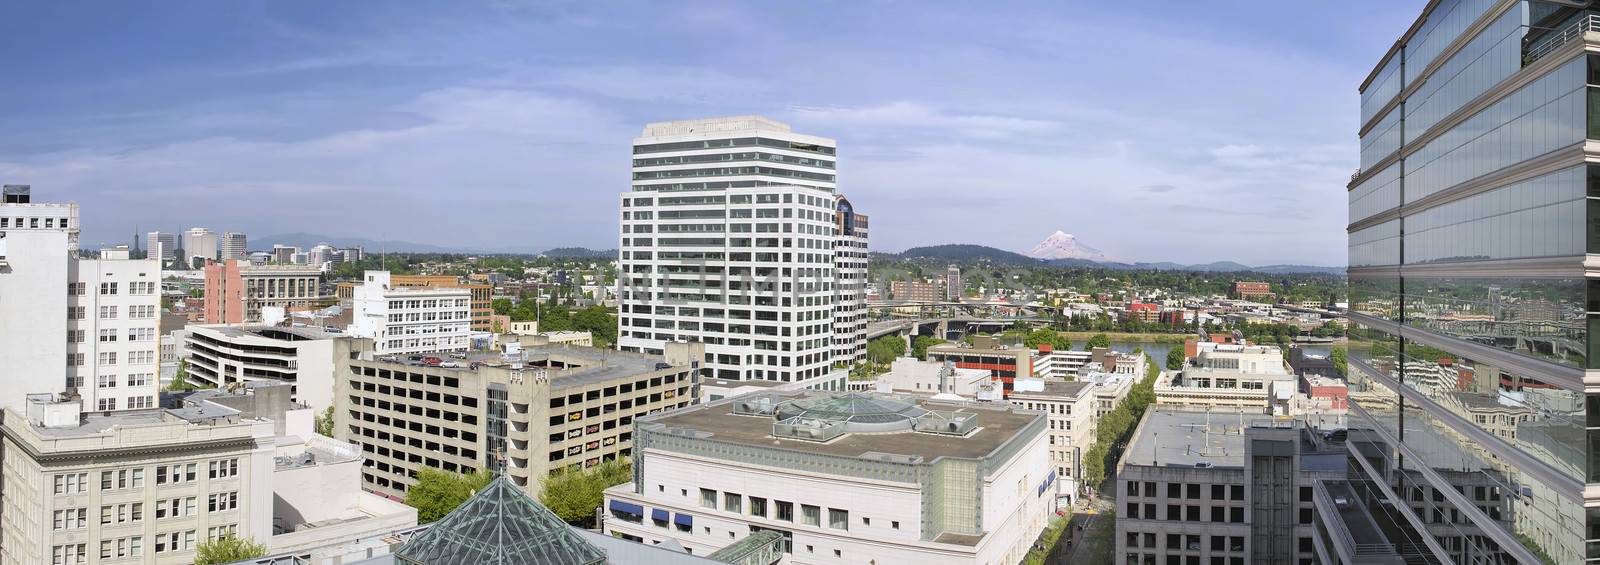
(1071, 409)
(132, 487)
(1251, 378)
(542, 409)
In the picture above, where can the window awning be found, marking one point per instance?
(683, 520)
(627, 508)
(660, 515)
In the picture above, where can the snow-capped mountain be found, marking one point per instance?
(1062, 245)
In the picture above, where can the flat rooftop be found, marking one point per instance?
(593, 364)
(1171, 437)
(287, 333)
(995, 426)
(1056, 388)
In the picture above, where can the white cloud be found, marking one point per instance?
(913, 116)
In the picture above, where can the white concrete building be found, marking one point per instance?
(304, 358)
(234, 246)
(850, 284)
(728, 238)
(39, 244)
(200, 242)
(411, 319)
(1229, 376)
(116, 337)
(927, 378)
(70, 324)
(142, 487)
(318, 500)
(845, 477)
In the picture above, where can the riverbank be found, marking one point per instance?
(1080, 337)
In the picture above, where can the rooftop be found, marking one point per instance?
(575, 365)
(286, 333)
(719, 421)
(1171, 437)
(1054, 388)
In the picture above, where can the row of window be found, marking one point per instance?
(32, 223)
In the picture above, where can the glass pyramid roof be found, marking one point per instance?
(500, 525)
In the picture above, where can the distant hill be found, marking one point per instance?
(581, 253)
(965, 253)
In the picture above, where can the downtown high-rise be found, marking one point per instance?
(1471, 291)
(729, 237)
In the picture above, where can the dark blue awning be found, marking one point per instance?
(661, 515)
(1048, 480)
(683, 520)
(627, 508)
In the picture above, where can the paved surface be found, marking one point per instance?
(1091, 535)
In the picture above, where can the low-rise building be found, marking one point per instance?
(1071, 406)
(1229, 376)
(144, 486)
(1005, 363)
(1252, 290)
(541, 410)
(303, 358)
(842, 477)
(318, 499)
(915, 291)
(1303, 363)
(236, 291)
(417, 319)
(481, 309)
(911, 376)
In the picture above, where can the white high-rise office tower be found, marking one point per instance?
(850, 288)
(160, 245)
(200, 242)
(728, 238)
(234, 246)
(72, 324)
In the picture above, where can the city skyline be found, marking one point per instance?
(280, 118)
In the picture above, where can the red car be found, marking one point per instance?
(432, 361)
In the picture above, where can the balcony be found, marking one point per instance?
(1579, 27)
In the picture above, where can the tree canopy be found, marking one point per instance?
(227, 549)
(574, 495)
(437, 491)
(1097, 340)
(1175, 359)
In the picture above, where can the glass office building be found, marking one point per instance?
(1471, 220)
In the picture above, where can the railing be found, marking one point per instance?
(1550, 43)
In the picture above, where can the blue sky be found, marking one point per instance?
(1183, 131)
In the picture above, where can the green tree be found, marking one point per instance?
(885, 349)
(1042, 336)
(1341, 360)
(502, 306)
(1175, 358)
(324, 422)
(574, 495)
(180, 381)
(227, 549)
(438, 492)
(920, 345)
(1097, 340)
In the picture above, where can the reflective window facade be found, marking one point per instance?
(1470, 301)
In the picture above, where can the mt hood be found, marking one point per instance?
(1062, 245)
